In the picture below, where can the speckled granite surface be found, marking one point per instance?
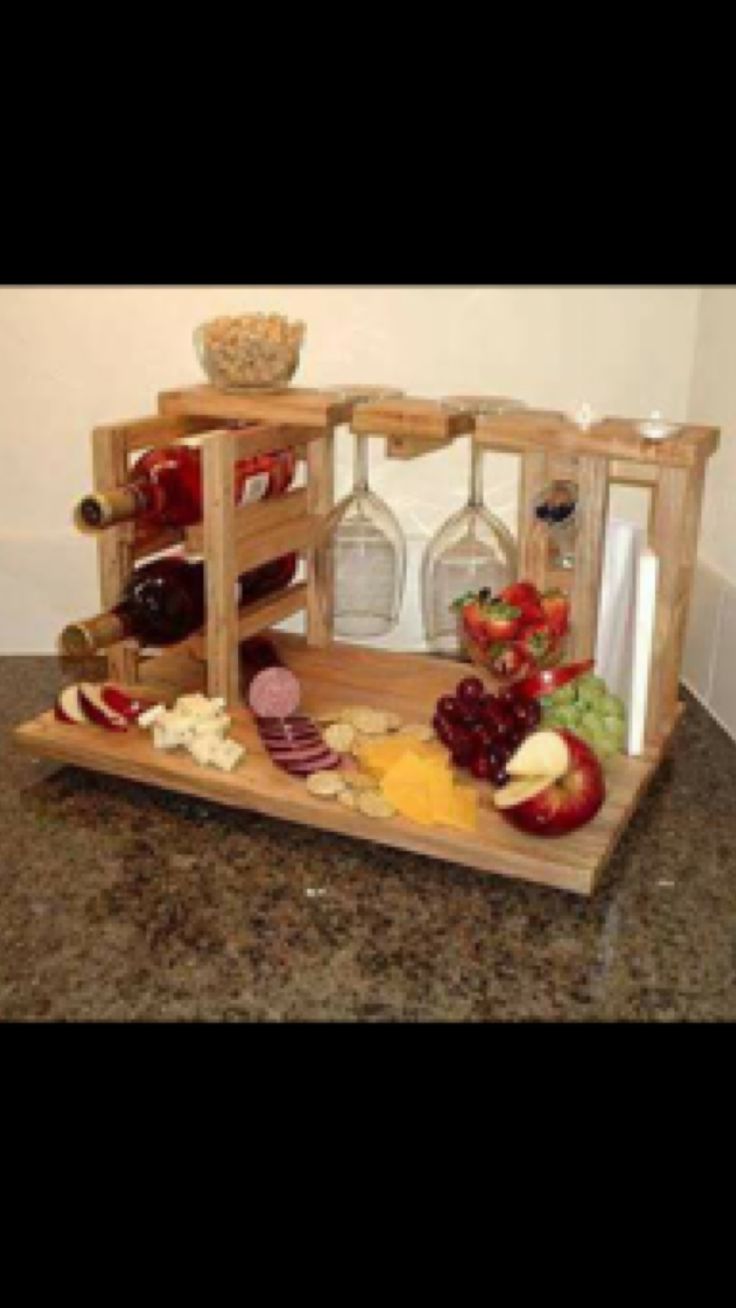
(119, 903)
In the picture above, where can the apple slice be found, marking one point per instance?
(91, 699)
(124, 705)
(68, 708)
(543, 754)
(518, 792)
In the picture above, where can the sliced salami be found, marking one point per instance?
(325, 763)
(274, 693)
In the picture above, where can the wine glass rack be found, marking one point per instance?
(234, 538)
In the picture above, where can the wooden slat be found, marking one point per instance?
(532, 534)
(257, 519)
(613, 439)
(404, 449)
(269, 612)
(320, 576)
(592, 518)
(152, 432)
(220, 568)
(674, 539)
(255, 618)
(632, 474)
(298, 407)
(293, 537)
(115, 550)
(408, 684)
(412, 419)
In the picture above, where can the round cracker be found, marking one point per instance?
(360, 781)
(340, 737)
(393, 720)
(325, 785)
(374, 805)
(370, 722)
(418, 730)
(347, 798)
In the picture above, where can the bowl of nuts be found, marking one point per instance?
(251, 352)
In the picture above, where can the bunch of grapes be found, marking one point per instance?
(482, 731)
(586, 707)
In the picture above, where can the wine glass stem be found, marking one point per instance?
(476, 476)
(360, 467)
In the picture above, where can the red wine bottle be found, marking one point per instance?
(163, 603)
(165, 489)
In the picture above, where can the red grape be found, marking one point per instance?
(470, 692)
(528, 713)
(444, 729)
(449, 708)
(480, 766)
(498, 776)
(463, 747)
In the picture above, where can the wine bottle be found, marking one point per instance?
(165, 489)
(163, 603)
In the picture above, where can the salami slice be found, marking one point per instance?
(274, 693)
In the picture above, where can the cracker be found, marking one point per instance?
(325, 785)
(360, 781)
(374, 805)
(393, 720)
(340, 737)
(347, 798)
(418, 730)
(369, 722)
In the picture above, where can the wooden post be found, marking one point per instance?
(592, 519)
(674, 539)
(320, 501)
(115, 551)
(532, 534)
(218, 470)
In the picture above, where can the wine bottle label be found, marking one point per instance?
(254, 488)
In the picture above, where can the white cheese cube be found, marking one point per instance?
(226, 754)
(199, 706)
(202, 747)
(151, 715)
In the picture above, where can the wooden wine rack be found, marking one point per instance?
(233, 539)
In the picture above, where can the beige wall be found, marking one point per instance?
(713, 399)
(72, 358)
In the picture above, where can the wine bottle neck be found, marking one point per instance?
(80, 639)
(97, 512)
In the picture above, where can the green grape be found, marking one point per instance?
(613, 707)
(546, 702)
(615, 728)
(567, 716)
(565, 694)
(591, 721)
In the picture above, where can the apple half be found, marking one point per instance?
(543, 754)
(126, 706)
(92, 701)
(68, 708)
(552, 803)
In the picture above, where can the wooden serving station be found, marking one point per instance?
(232, 539)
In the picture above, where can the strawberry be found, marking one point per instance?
(474, 623)
(524, 596)
(556, 608)
(502, 622)
(509, 660)
(537, 640)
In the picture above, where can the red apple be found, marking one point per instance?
(562, 805)
(124, 705)
(93, 705)
(68, 708)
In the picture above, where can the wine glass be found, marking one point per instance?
(367, 546)
(472, 551)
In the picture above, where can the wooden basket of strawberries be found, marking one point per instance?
(514, 633)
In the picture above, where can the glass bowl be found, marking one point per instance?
(252, 352)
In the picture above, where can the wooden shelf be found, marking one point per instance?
(330, 677)
(527, 432)
(295, 406)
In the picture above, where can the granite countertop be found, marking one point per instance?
(123, 903)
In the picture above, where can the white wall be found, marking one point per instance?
(72, 358)
(709, 661)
